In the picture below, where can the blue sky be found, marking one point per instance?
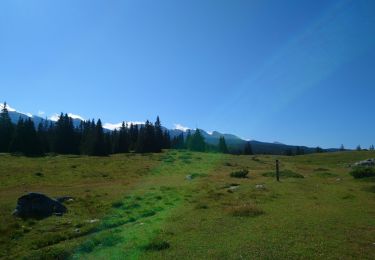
(297, 72)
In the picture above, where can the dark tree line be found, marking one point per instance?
(89, 138)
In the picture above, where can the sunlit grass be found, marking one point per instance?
(143, 206)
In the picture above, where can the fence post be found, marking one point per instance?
(277, 171)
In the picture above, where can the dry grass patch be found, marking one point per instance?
(245, 210)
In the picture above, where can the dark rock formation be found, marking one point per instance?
(38, 206)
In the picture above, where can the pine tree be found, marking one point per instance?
(359, 148)
(133, 132)
(342, 148)
(100, 147)
(188, 139)
(248, 149)
(140, 144)
(6, 130)
(158, 135)
(43, 136)
(372, 147)
(25, 139)
(123, 139)
(289, 152)
(65, 136)
(196, 142)
(178, 142)
(222, 145)
(300, 150)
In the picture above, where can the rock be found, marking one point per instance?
(64, 198)
(260, 187)
(368, 162)
(38, 205)
(189, 177)
(92, 220)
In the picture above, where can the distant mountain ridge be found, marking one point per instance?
(234, 142)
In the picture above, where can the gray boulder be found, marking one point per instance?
(368, 162)
(38, 206)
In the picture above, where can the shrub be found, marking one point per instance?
(363, 172)
(326, 174)
(245, 210)
(157, 245)
(117, 204)
(240, 174)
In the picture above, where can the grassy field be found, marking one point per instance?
(145, 207)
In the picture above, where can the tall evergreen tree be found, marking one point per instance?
(158, 135)
(178, 142)
(222, 145)
(197, 142)
(100, 147)
(133, 135)
(342, 148)
(248, 149)
(123, 140)
(166, 140)
(6, 129)
(300, 150)
(66, 137)
(188, 139)
(25, 139)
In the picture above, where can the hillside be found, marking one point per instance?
(145, 207)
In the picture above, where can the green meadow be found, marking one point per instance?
(186, 205)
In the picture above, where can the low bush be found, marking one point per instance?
(363, 172)
(245, 210)
(326, 174)
(157, 245)
(240, 174)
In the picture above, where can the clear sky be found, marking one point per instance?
(297, 72)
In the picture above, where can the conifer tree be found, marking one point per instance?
(158, 139)
(100, 147)
(248, 149)
(166, 140)
(222, 145)
(25, 139)
(196, 142)
(6, 129)
(123, 140)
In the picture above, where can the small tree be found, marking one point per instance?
(222, 145)
(342, 148)
(359, 148)
(248, 149)
(196, 142)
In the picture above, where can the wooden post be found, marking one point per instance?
(277, 171)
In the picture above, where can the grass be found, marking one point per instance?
(363, 172)
(239, 174)
(245, 210)
(131, 206)
(284, 174)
